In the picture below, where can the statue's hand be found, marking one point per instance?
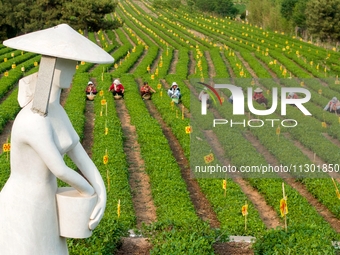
(97, 213)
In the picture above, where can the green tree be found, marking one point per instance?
(287, 8)
(42, 14)
(207, 6)
(90, 15)
(323, 19)
(225, 8)
(18, 17)
(299, 14)
(266, 13)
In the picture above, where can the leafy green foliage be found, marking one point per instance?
(303, 239)
(19, 17)
(323, 19)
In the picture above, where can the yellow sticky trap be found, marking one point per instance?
(209, 158)
(278, 130)
(105, 159)
(6, 147)
(224, 184)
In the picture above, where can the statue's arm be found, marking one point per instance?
(90, 171)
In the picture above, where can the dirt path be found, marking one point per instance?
(192, 63)
(230, 70)
(298, 186)
(201, 203)
(156, 61)
(139, 60)
(117, 38)
(138, 178)
(311, 155)
(139, 182)
(266, 212)
(246, 65)
(146, 9)
(134, 246)
(88, 129)
(173, 64)
(211, 67)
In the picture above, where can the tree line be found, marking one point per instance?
(318, 19)
(310, 19)
(20, 17)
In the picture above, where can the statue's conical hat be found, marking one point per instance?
(60, 41)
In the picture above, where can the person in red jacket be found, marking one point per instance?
(117, 88)
(259, 97)
(146, 91)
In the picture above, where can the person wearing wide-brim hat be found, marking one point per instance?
(333, 105)
(174, 92)
(91, 88)
(117, 89)
(259, 97)
(41, 135)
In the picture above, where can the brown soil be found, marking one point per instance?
(138, 179)
(146, 9)
(134, 246)
(246, 65)
(333, 140)
(211, 67)
(201, 204)
(197, 34)
(136, 64)
(174, 61)
(227, 64)
(192, 63)
(266, 212)
(233, 248)
(299, 187)
(117, 38)
(312, 156)
(156, 61)
(128, 37)
(88, 128)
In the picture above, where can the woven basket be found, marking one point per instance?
(90, 96)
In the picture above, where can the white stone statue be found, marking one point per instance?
(41, 135)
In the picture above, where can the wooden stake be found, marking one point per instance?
(284, 197)
(7, 151)
(182, 112)
(245, 218)
(336, 189)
